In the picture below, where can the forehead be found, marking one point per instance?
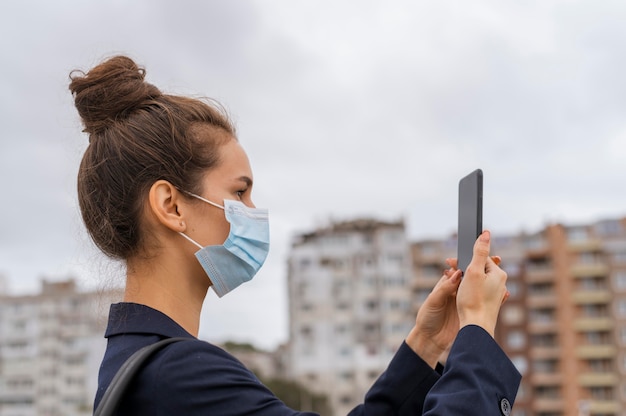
(234, 163)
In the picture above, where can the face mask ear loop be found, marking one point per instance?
(189, 238)
(203, 199)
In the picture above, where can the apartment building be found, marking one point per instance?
(51, 345)
(349, 306)
(564, 325)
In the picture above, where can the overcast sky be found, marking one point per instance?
(346, 109)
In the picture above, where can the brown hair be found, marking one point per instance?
(138, 135)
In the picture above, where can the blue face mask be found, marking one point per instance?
(244, 251)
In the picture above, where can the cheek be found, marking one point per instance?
(224, 231)
(218, 228)
(209, 227)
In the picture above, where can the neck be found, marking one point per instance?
(156, 283)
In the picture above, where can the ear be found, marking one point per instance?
(164, 200)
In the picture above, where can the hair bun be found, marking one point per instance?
(110, 91)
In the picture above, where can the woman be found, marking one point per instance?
(166, 187)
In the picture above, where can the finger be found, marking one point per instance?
(507, 295)
(452, 262)
(490, 264)
(481, 252)
(447, 285)
(497, 260)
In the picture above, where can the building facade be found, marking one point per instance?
(349, 308)
(564, 325)
(51, 345)
(354, 289)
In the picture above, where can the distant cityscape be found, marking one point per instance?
(354, 289)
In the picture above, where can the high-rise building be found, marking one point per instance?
(349, 307)
(564, 325)
(354, 288)
(51, 345)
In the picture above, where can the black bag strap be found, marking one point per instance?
(114, 393)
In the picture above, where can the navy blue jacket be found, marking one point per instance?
(198, 378)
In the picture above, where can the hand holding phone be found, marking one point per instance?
(470, 216)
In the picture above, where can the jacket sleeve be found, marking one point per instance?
(197, 379)
(478, 379)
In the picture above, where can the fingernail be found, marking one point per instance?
(485, 236)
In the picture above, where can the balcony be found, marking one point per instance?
(591, 297)
(542, 326)
(542, 300)
(538, 274)
(593, 324)
(598, 379)
(547, 379)
(585, 245)
(548, 405)
(545, 352)
(596, 351)
(607, 407)
(589, 269)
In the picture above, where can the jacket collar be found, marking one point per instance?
(134, 318)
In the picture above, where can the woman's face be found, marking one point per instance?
(231, 179)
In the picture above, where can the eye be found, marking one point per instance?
(240, 193)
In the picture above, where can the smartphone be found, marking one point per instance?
(470, 216)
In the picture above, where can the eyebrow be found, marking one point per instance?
(246, 180)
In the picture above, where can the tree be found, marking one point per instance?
(298, 397)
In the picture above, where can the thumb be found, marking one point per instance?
(481, 252)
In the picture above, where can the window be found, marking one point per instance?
(304, 264)
(544, 340)
(395, 259)
(597, 337)
(588, 258)
(622, 335)
(600, 365)
(601, 393)
(541, 315)
(516, 339)
(345, 400)
(511, 269)
(619, 257)
(536, 242)
(344, 352)
(547, 392)
(429, 249)
(598, 311)
(592, 283)
(577, 234)
(512, 314)
(341, 329)
(421, 295)
(372, 375)
(371, 305)
(395, 281)
(608, 228)
(346, 376)
(540, 289)
(514, 288)
(619, 279)
(546, 365)
(520, 363)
